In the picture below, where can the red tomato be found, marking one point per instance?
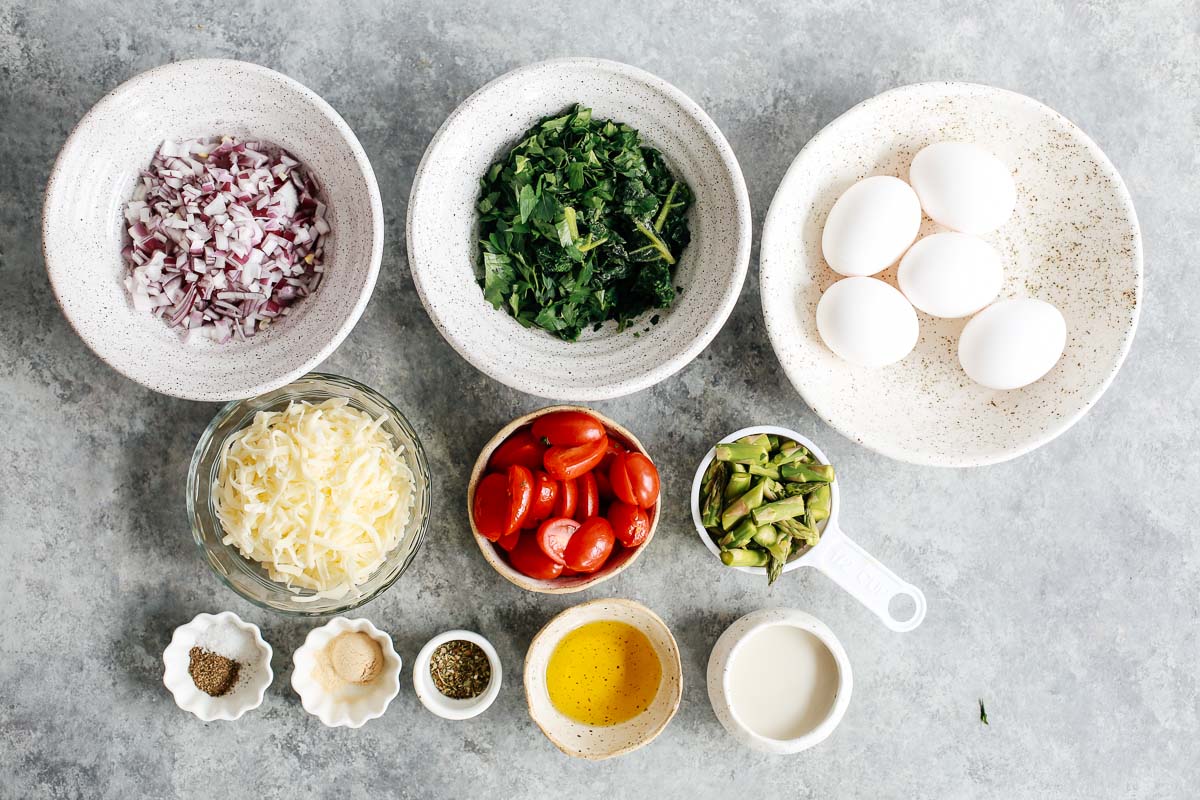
(566, 500)
(491, 506)
(520, 448)
(568, 463)
(630, 524)
(528, 559)
(567, 572)
(520, 493)
(603, 484)
(509, 540)
(553, 536)
(545, 492)
(589, 497)
(615, 447)
(568, 428)
(590, 545)
(634, 479)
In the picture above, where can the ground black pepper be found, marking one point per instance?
(460, 669)
(213, 674)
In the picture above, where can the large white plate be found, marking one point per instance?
(1072, 241)
(442, 231)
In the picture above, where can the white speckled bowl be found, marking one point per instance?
(1073, 241)
(442, 227)
(83, 230)
(352, 706)
(726, 650)
(254, 674)
(600, 742)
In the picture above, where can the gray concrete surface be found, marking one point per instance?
(1064, 588)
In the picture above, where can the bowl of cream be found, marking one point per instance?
(758, 709)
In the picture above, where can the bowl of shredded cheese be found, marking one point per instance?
(311, 499)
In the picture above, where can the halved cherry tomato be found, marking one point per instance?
(590, 545)
(568, 428)
(520, 494)
(603, 484)
(566, 499)
(553, 536)
(568, 463)
(589, 497)
(545, 491)
(634, 479)
(615, 447)
(528, 559)
(509, 540)
(630, 524)
(491, 506)
(567, 572)
(520, 448)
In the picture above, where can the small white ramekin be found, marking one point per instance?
(353, 705)
(254, 674)
(449, 707)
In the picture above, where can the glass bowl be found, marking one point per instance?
(247, 577)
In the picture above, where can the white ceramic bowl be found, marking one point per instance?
(83, 230)
(250, 650)
(353, 705)
(726, 650)
(576, 739)
(443, 250)
(1073, 241)
(451, 707)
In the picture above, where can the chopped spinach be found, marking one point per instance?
(580, 223)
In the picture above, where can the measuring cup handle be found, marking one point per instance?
(861, 574)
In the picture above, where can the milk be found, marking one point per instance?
(782, 682)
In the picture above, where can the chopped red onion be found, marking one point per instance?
(224, 236)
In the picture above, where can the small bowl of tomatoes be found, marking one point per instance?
(562, 499)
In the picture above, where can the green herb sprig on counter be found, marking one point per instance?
(581, 223)
(762, 500)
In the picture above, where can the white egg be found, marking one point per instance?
(1012, 343)
(950, 274)
(867, 322)
(963, 186)
(870, 226)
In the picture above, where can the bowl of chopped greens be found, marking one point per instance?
(579, 229)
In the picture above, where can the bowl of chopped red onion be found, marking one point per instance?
(212, 229)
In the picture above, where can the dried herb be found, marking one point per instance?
(213, 674)
(460, 669)
(982, 713)
(580, 223)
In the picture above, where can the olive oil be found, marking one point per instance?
(603, 673)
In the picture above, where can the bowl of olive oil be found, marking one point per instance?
(603, 678)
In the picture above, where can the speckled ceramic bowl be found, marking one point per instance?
(83, 230)
(1073, 241)
(600, 742)
(619, 561)
(443, 247)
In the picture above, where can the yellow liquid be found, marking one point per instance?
(603, 673)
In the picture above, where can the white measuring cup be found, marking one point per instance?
(836, 554)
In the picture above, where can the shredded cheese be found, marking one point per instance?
(317, 494)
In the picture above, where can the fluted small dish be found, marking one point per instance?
(353, 705)
(254, 672)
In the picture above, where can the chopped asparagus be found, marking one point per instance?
(766, 536)
(739, 508)
(802, 473)
(744, 558)
(766, 472)
(739, 484)
(818, 503)
(787, 508)
(740, 535)
(743, 452)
